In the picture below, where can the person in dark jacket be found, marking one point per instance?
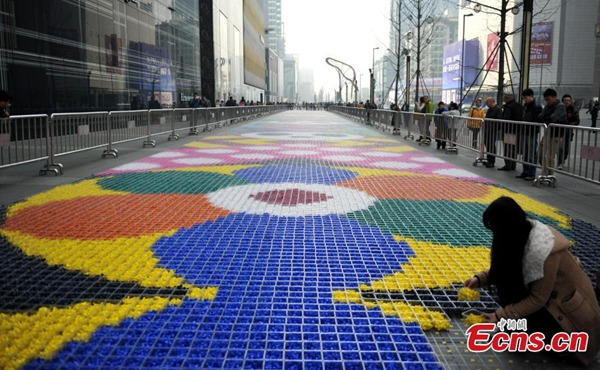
(554, 112)
(528, 142)
(4, 104)
(195, 102)
(572, 119)
(231, 102)
(593, 111)
(491, 131)
(512, 112)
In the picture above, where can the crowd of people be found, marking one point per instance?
(488, 127)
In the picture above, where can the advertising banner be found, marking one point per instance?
(452, 63)
(492, 44)
(541, 43)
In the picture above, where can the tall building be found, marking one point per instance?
(58, 55)
(233, 50)
(443, 31)
(306, 85)
(290, 70)
(562, 50)
(274, 27)
(439, 27)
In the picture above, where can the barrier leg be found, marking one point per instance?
(451, 130)
(548, 148)
(149, 141)
(109, 151)
(173, 135)
(481, 140)
(50, 166)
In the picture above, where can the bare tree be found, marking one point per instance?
(414, 24)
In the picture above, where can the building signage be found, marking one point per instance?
(452, 63)
(492, 52)
(541, 43)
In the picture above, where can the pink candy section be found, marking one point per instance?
(363, 156)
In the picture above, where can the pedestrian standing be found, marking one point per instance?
(593, 111)
(475, 125)
(528, 142)
(195, 102)
(573, 120)
(491, 131)
(4, 104)
(513, 112)
(554, 112)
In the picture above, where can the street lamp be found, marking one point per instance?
(373, 77)
(360, 87)
(462, 63)
(407, 94)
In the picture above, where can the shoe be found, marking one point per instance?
(504, 168)
(490, 165)
(521, 176)
(529, 178)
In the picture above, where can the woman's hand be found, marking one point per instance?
(490, 317)
(472, 282)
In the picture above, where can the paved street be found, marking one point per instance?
(298, 240)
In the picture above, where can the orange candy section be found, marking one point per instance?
(417, 187)
(113, 216)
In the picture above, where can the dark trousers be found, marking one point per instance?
(594, 119)
(491, 135)
(528, 149)
(510, 151)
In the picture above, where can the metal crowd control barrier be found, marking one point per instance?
(468, 133)
(570, 150)
(515, 142)
(444, 132)
(75, 132)
(30, 138)
(125, 126)
(23, 139)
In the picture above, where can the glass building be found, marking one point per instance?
(67, 55)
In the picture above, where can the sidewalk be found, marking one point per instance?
(298, 240)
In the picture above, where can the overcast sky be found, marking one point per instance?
(346, 30)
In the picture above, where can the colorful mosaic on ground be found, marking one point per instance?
(284, 243)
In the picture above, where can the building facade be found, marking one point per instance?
(274, 27)
(562, 51)
(234, 34)
(290, 70)
(59, 55)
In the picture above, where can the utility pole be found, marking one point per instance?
(526, 46)
(418, 79)
(502, 52)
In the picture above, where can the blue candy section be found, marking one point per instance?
(300, 174)
(274, 308)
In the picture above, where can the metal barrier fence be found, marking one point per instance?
(23, 139)
(29, 138)
(569, 150)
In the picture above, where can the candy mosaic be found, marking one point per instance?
(284, 243)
